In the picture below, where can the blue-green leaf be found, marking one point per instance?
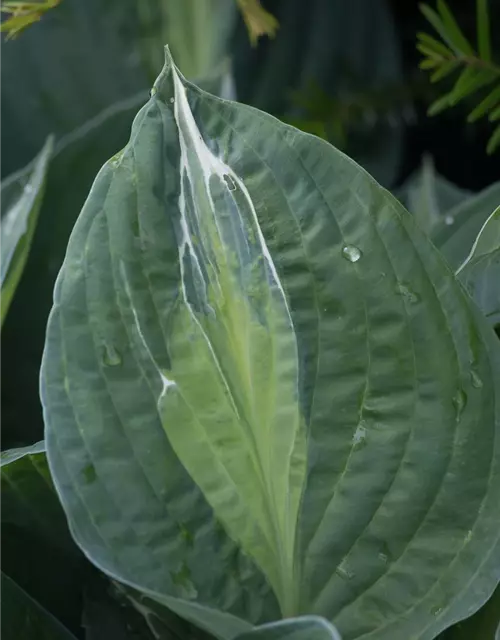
(273, 374)
(310, 627)
(480, 271)
(461, 224)
(22, 195)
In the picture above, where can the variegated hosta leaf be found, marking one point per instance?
(310, 627)
(265, 393)
(22, 196)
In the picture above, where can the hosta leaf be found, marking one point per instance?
(480, 272)
(38, 552)
(310, 627)
(272, 374)
(23, 618)
(429, 196)
(21, 200)
(460, 226)
(483, 625)
(73, 166)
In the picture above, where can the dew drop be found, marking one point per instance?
(468, 537)
(477, 383)
(89, 473)
(28, 188)
(344, 573)
(111, 356)
(459, 402)
(436, 610)
(384, 555)
(449, 220)
(359, 436)
(351, 253)
(172, 100)
(153, 92)
(409, 295)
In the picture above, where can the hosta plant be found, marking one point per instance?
(266, 393)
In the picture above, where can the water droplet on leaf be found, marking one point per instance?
(436, 610)
(459, 402)
(449, 220)
(172, 100)
(153, 92)
(344, 573)
(111, 356)
(351, 253)
(359, 437)
(476, 380)
(409, 295)
(28, 188)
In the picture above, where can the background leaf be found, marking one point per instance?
(480, 272)
(386, 333)
(24, 618)
(334, 70)
(455, 235)
(39, 554)
(22, 196)
(430, 197)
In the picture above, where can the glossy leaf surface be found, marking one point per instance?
(257, 363)
(21, 200)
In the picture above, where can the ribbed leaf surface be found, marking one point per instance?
(261, 384)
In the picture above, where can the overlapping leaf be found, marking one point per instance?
(44, 568)
(430, 197)
(265, 393)
(480, 272)
(459, 227)
(310, 627)
(21, 200)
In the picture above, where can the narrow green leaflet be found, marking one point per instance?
(480, 272)
(265, 393)
(310, 627)
(33, 535)
(460, 226)
(21, 199)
